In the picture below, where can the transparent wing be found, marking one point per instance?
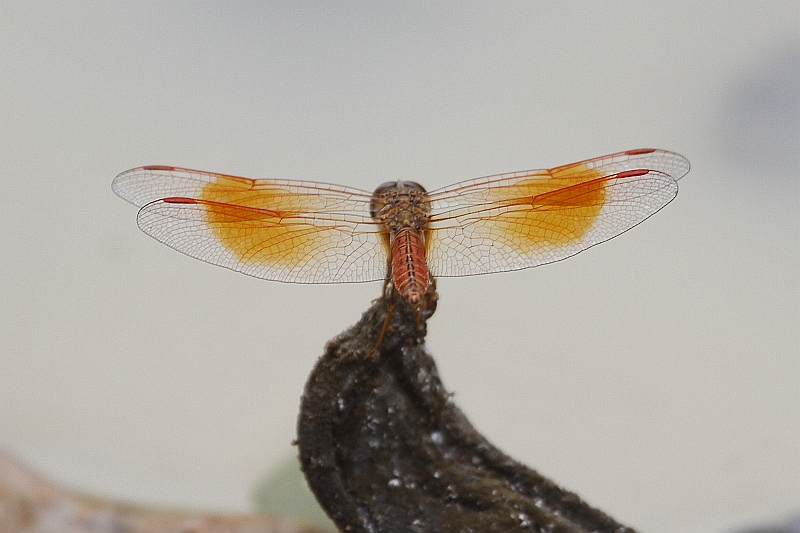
(526, 219)
(282, 230)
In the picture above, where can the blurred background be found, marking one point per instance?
(656, 375)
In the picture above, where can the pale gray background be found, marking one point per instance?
(657, 375)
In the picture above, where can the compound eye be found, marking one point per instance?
(386, 187)
(411, 185)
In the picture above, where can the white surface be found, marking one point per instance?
(657, 374)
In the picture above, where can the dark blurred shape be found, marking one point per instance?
(385, 449)
(759, 123)
(790, 525)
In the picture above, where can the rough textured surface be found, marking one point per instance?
(385, 449)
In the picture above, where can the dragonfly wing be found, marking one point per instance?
(526, 219)
(281, 230)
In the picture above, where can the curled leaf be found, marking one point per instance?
(385, 449)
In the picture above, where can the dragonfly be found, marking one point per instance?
(312, 232)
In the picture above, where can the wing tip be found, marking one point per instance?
(680, 165)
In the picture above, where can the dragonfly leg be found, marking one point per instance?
(389, 294)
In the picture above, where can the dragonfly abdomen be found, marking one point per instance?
(409, 270)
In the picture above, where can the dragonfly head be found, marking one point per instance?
(394, 197)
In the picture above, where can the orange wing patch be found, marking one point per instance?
(260, 224)
(554, 208)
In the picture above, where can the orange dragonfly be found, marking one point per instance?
(309, 232)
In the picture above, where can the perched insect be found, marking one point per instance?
(308, 232)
